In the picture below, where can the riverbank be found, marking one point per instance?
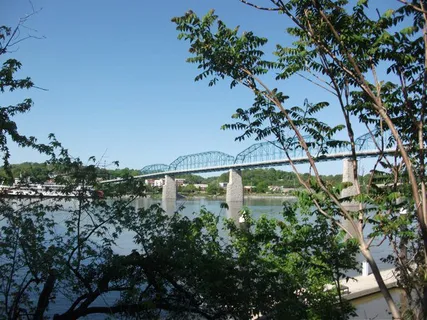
(222, 197)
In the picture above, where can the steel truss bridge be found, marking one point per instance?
(267, 154)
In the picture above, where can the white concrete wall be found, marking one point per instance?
(235, 187)
(169, 189)
(348, 176)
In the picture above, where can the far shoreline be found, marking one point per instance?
(222, 197)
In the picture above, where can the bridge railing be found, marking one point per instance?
(271, 151)
(154, 168)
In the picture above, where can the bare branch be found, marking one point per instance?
(304, 145)
(316, 83)
(13, 38)
(413, 6)
(258, 7)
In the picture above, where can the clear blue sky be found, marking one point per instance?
(117, 79)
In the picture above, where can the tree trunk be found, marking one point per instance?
(395, 312)
(44, 296)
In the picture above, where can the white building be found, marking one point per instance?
(159, 182)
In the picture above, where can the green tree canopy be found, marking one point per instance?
(214, 188)
(261, 187)
(342, 47)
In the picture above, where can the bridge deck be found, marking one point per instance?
(268, 163)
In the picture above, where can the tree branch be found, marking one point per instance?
(258, 7)
(43, 301)
(413, 6)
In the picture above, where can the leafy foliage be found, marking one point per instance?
(214, 189)
(340, 46)
(8, 83)
(60, 256)
(180, 267)
(40, 261)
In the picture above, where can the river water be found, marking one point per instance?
(371, 307)
(271, 206)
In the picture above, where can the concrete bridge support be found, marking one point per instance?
(348, 176)
(234, 197)
(234, 187)
(169, 189)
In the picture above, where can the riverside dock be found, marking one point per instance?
(362, 286)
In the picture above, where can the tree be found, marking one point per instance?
(180, 268)
(192, 178)
(40, 261)
(190, 188)
(36, 172)
(261, 187)
(8, 129)
(341, 46)
(213, 188)
(216, 278)
(122, 173)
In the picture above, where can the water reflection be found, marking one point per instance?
(374, 305)
(367, 307)
(272, 207)
(380, 247)
(233, 211)
(169, 206)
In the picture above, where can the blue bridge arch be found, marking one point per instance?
(201, 160)
(272, 153)
(154, 168)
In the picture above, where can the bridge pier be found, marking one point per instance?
(169, 189)
(234, 197)
(234, 188)
(348, 176)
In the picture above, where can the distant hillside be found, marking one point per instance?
(255, 177)
(40, 172)
(37, 172)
